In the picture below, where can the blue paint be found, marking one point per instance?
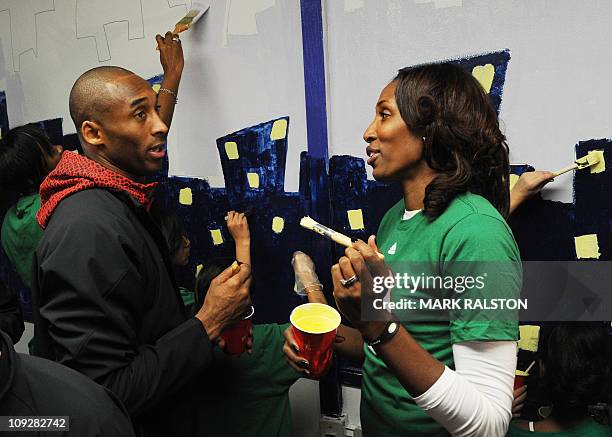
(314, 78)
(4, 122)
(593, 204)
(259, 153)
(499, 60)
(272, 288)
(53, 128)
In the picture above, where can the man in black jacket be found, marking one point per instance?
(105, 297)
(31, 386)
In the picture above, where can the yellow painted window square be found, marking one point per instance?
(253, 179)
(484, 74)
(185, 196)
(279, 129)
(231, 149)
(355, 217)
(587, 246)
(278, 224)
(216, 236)
(528, 337)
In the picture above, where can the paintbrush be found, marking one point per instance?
(586, 161)
(197, 11)
(530, 366)
(313, 225)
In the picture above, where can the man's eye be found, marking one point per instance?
(141, 115)
(157, 108)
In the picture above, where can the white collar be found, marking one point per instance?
(409, 214)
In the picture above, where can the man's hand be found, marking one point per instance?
(226, 301)
(238, 226)
(170, 54)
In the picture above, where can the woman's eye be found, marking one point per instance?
(141, 115)
(384, 115)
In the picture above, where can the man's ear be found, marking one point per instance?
(91, 132)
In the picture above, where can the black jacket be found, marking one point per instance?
(11, 320)
(31, 386)
(106, 305)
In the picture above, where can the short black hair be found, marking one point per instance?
(89, 97)
(22, 158)
(576, 367)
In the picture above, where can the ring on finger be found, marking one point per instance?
(348, 282)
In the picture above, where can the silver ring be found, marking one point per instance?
(176, 38)
(348, 282)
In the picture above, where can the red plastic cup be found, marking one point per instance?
(314, 327)
(236, 335)
(520, 379)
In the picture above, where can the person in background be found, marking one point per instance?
(249, 396)
(178, 245)
(436, 134)
(32, 386)
(26, 158)
(575, 373)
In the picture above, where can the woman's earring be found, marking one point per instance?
(424, 139)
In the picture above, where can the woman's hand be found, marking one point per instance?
(238, 226)
(363, 262)
(170, 54)
(520, 395)
(291, 350)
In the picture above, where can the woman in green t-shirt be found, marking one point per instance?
(435, 133)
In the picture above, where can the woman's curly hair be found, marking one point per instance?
(448, 107)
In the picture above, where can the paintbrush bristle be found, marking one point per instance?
(589, 160)
(308, 223)
(195, 13)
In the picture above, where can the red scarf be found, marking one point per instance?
(76, 173)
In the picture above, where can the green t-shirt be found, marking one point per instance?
(249, 396)
(589, 428)
(20, 235)
(463, 240)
